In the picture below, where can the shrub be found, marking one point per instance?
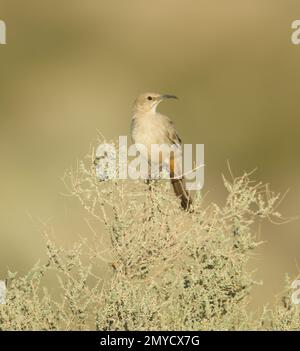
(149, 265)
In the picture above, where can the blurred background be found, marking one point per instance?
(71, 68)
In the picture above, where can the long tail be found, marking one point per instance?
(181, 192)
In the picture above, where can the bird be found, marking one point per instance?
(150, 127)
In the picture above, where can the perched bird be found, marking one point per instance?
(150, 127)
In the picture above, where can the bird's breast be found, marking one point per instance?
(148, 130)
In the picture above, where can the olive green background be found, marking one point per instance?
(73, 67)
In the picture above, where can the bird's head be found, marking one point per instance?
(149, 101)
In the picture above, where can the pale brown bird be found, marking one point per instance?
(150, 127)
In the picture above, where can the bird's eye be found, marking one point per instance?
(149, 98)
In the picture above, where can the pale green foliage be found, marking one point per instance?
(166, 269)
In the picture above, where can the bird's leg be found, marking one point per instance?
(151, 179)
(150, 182)
(147, 181)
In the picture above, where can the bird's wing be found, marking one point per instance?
(172, 134)
(175, 161)
(174, 138)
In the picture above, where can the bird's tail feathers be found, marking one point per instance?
(182, 193)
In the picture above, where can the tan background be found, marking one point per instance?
(71, 67)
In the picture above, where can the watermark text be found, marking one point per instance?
(2, 32)
(296, 293)
(2, 292)
(164, 161)
(296, 33)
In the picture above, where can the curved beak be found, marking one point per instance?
(167, 96)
